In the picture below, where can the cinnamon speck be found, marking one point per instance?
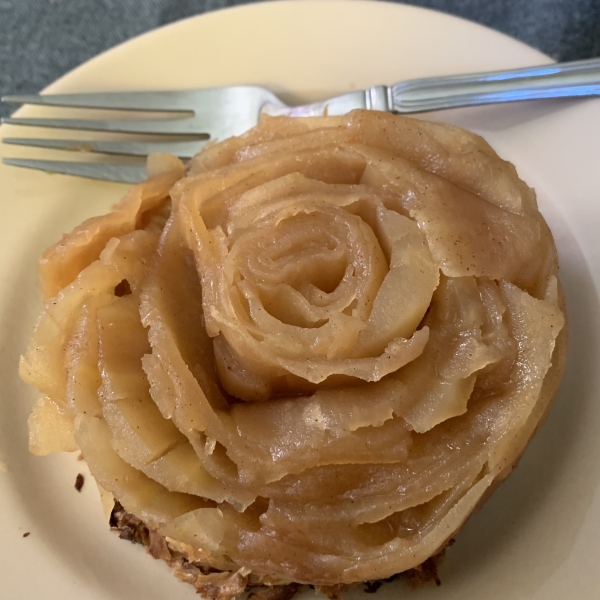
(27, 534)
(79, 481)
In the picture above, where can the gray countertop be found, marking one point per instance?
(42, 39)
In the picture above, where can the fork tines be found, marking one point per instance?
(184, 122)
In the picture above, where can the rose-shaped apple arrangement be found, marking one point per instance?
(310, 357)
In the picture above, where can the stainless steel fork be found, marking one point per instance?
(218, 113)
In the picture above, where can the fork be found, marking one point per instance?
(218, 113)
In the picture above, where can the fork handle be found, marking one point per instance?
(558, 80)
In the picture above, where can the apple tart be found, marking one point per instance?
(308, 356)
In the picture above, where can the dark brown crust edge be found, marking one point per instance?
(226, 585)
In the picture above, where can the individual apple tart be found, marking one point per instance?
(308, 356)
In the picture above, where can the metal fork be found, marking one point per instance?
(218, 113)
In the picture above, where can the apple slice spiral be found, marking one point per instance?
(312, 354)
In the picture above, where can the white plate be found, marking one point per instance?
(539, 536)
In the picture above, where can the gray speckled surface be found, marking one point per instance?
(42, 39)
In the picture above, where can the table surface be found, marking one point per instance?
(42, 39)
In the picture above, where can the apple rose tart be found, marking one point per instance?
(309, 356)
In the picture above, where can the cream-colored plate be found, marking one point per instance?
(539, 536)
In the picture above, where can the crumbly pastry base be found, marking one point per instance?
(225, 585)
